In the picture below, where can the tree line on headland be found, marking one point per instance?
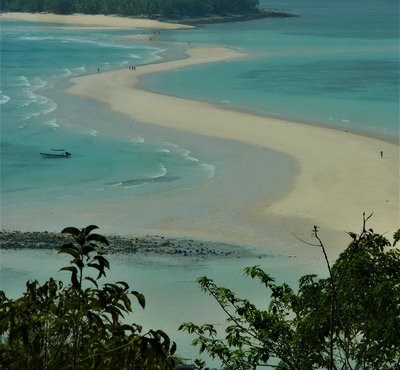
(160, 8)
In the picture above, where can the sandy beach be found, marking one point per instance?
(96, 20)
(341, 174)
(338, 175)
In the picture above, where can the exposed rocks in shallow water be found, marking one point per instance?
(147, 245)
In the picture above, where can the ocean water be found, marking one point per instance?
(36, 116)
(337, 64)
(168, 283)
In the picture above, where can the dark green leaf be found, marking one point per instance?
(69, 249)
(97, 238)
(71, 231)
(140, 297)
(89, 229)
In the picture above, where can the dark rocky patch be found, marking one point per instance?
(145, 245)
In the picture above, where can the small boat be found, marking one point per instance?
(56, 153)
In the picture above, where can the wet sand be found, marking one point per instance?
(341, 174)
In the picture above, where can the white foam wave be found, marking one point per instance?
(98, 189)
(4, 99)
(78, 40)
(115, 184)
(137, 140)
(115, 46)
(226, 101)
(155, 54)
(163, 151)
(52, 123)
(92, 132)
(209, 168)
(32, 115)
(38, 83)
(161, 171)
(192, 159)
(176, 149)
(31, 96)
(67, 72)
(184, 152)
(126, 187)
(25, 104)
(97, 43)
(79, 70)
(34, 38)
(135, 56)
(50, 105)
(23, 81)
(345, 120)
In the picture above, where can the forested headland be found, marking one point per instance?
(161, 9)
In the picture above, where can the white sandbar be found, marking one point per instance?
(341, 175)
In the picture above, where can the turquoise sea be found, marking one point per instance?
(336, 65)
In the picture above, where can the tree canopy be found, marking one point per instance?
(79, 325)
(350, 320)
(163, 8)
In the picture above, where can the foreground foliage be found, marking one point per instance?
(79, 325)
(350, 320)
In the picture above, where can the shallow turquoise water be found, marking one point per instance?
(336, 65)
(36, 115)
(168, 283)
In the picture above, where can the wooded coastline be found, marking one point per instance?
(190, 11)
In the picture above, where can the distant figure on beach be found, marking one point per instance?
(134, 68)
(98, 70)
(381, 153)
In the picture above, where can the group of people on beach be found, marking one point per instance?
(131, 68)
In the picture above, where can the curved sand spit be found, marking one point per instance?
(341, 175)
